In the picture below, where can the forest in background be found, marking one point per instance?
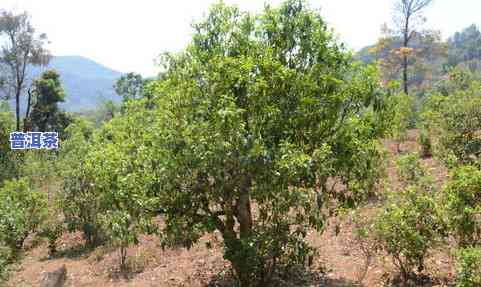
(256, 140)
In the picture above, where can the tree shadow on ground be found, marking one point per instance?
(133, 266)
(294, 278)
(420, 280)
(77, 251)
(122, 275)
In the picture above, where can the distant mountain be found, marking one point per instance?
(86, 82)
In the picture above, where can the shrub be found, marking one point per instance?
(53, 227)
(469, 267)
(22, 210)
(453, 121)
(80, 199)
(402, 107)
(5, 261)
(425, 143)
(39, 166)
(257, 114)
(364, 236)
(9, 160)
(52, 232)
(123, 230)
(122, 172)
(108, 186)
(410, 169)
(462, 201)
(408, 228)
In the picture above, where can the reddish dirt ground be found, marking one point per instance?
(340, 260)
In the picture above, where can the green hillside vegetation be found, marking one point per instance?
(260, 137)
(86, 82)
(433, 58)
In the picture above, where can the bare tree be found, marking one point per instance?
(21, 48)
(408, 16)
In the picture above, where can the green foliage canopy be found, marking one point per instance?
(453, 119)
(402, 113)
(465, 46)
(468, 267)
(22, 210)
(129, 86)
(80, 200)
(21, 49)
(408, 228)
(463, 205)
(256, 120)
(48, 92)
(261, 116)
(8, 158)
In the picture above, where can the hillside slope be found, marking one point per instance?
(341, 261)
(86, 82)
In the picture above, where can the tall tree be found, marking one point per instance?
(427, 55)
(48, 92)
(129, 86)
(21, 48)
(408, 16)
(107, 110)
(465, 46)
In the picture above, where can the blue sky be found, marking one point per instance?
(127, 35)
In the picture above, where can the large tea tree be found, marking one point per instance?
(264, 127)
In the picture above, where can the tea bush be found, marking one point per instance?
(80, 199)
(410, 169)
(22, 210)
(462, 201)
(9, 160)
(52, 232)
(402, 107)
(453, 122)
(469, 267)
(5, 261)
(53, 227)
(425, 143)
(408, 228)
(122, 170)
(365, 238)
